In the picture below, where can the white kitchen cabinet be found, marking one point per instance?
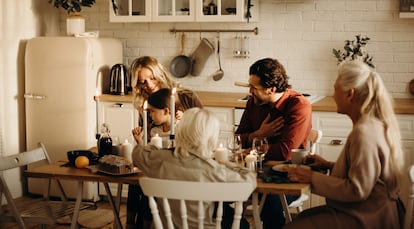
(130, 10)
(182, 10)
(226, 117)
(225, 10)
(336, 127)
(173, 10)
(121, 119)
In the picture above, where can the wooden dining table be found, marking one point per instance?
(56, 170)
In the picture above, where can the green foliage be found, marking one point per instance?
(354, 50)
(72, 6)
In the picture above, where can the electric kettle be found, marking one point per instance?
(120, 80)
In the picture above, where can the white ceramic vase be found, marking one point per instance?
(75, 24)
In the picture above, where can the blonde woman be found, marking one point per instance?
(148, 77)
(363, 188)
(196, 138)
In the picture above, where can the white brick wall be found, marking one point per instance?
(300, 33)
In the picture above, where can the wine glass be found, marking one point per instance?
(261, 146)
(234, 144)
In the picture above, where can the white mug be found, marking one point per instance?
(297, 155)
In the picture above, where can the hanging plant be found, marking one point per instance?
(72, 6)
(354, 50)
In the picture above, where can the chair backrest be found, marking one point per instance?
(408, 224)
(314, 137)
(36, 156)
(184, 191)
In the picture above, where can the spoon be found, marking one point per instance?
(218, 75)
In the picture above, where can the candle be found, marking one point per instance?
(172, 108)
(145, 123)
(156, 141)
(221, 154)
(251, 161)
(126, 150)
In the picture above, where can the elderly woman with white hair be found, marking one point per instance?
(191, 160)
(362, 190)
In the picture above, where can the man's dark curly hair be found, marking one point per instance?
(271, 73)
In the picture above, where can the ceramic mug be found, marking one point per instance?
(297, 155)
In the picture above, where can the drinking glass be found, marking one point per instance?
(261, 146)
(234, 144)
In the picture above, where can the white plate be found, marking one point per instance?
(283, 168)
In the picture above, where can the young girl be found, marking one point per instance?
(160, 113)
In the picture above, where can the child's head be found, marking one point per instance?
(159, 106)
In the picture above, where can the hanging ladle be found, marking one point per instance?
(218, 75)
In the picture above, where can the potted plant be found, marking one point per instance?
(354, 50)
(75, 23)
(72, 6)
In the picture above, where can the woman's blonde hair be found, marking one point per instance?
(197, 132)
(158, 72)
(376, 102)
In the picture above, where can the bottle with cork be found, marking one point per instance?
(105, 141)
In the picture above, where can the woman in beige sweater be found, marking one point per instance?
(363, 187)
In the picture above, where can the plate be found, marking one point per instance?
(134, 171)
(283, 168)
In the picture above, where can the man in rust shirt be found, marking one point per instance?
(275, 111)
(282, 115)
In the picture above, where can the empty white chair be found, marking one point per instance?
(314, 138)
(39, 210)
(183, 191)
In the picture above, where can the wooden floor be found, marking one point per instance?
(100, 205)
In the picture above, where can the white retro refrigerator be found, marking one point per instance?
(62, 75)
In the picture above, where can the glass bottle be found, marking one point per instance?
(105, 141)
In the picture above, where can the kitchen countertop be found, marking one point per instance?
(401, 106)
(231, 99)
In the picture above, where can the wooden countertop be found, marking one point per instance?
(401, 106)
(231, 99)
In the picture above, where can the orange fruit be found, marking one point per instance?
(81, 162)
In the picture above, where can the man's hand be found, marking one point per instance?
(268, 128)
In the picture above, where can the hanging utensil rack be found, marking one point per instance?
(255, 30)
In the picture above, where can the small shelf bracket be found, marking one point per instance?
(255, 30)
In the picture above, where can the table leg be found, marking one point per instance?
(113, 206)
(78, 202)
(256, 210)
(285, 206)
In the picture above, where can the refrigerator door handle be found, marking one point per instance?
(34, 96)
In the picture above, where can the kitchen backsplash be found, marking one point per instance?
(300, 33)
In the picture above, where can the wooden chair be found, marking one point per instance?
(194, 191)
(39, 210)
(408, 224)
(314, 138)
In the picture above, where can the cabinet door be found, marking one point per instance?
(129, 10)
(220, 10)
(226, 117)
(173, 10)
(120, 117)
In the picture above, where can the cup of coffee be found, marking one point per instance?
(297, 155)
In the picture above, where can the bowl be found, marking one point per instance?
(72, 155)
